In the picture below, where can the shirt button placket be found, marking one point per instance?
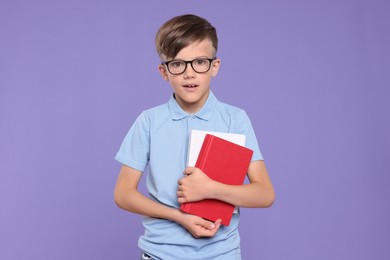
(190, 123)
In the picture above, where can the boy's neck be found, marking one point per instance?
(192, 108)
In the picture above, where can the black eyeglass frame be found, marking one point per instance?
(166, 63)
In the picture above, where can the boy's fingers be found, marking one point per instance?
(208, 224)
(188, 170)
(218, 223)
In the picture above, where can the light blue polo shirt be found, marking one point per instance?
(159, 139)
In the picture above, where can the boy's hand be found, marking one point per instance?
(195, 186)
(199, 227)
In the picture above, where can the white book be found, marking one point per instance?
(197, 137)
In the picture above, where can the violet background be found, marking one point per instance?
(312, 75)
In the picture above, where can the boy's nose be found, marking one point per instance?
(189, 72)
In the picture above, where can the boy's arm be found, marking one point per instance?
(259, 193)
(129, 198)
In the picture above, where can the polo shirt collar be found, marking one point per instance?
(177, 113)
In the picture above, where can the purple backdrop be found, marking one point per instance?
(313, 76)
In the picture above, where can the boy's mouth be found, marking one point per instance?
(190, 86)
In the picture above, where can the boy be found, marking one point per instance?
(187, 46)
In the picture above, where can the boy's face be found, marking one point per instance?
(192, 88)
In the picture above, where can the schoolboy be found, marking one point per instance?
(187, 46)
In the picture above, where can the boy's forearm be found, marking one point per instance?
(259, 193)
(128, 197)
(253, 195)
(136, 202)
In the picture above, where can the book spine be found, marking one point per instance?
(185, 207)
(204, 151)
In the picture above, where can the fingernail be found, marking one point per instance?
(212, 226)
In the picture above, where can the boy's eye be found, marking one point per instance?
(200, 61)
(176, 64)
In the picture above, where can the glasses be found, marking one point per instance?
(200, 65)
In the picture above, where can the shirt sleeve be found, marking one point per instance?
(135, 149)
(244, 126)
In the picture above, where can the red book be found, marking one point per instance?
(225, 162)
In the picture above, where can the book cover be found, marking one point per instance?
(225, 162)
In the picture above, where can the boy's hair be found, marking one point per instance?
(180, 31)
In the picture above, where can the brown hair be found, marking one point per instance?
(180, 31)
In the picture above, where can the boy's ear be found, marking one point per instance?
(215, 67)
(163, 71)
